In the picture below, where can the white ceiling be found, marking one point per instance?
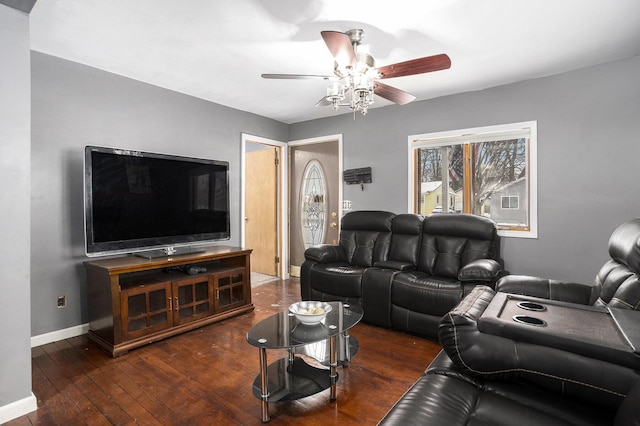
(216, 50)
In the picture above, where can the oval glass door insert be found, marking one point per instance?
(313, 210)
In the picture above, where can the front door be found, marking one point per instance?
(314, 198)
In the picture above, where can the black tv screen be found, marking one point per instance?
(137, 201)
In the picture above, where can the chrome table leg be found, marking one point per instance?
(264, 397)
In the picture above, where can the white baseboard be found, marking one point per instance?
(57, 335)
(294, 271)
(18, 408)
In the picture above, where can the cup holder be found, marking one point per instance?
(531, 306)
(525, 319)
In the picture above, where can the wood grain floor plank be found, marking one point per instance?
(205, 376)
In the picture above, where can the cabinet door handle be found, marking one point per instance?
(176, 304)
(170, 304)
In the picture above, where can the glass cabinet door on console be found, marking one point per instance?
(230, 286)
(193, 298)
(146, 309)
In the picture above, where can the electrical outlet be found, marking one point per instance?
(62, 301)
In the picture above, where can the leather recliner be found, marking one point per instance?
(336, 271)
(457, 252)
(568, 373)
(598, 362)
(617, 284)
(447, 396)
(406, 271)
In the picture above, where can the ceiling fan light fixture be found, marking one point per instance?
(335, 94)
(356, 77)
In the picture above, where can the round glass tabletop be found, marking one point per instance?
(284, 331)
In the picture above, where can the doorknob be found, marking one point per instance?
(246, 218)
(334, 225)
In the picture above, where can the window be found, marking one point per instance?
(510, 202)
(488, 171)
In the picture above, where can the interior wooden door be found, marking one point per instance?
(261, 212)
(314, 198)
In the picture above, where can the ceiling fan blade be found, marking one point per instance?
(297, 77)
(392, 94)
(416, 66)
(340, 46)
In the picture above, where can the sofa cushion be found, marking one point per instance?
(451, 241)
(619, 286)
(365, 237)
(405, 238)
(480, 270)
(624, 245)
(547, 289)
(340, 281)
(420, 292)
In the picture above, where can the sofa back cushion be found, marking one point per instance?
(451, 241)
(619, 279)
(406, 234)
(365, 237)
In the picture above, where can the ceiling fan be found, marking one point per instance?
(356, 77)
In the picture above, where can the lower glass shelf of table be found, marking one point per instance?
(288, 381)
(291, 377)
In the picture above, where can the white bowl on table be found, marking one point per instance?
(309, 311)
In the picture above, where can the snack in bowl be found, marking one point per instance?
(310, 312)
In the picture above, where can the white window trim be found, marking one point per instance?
(488, 133)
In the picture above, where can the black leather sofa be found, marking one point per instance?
(579, 366)
(447, 396)
(406, 271)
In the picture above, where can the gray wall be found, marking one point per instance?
(15, 115)
(75, 105)
(588, 150)
(587, 147)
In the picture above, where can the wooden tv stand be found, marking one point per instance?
(135, 301)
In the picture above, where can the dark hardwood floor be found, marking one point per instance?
(204, 377)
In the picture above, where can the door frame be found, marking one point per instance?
(317, 140)
(282, 204)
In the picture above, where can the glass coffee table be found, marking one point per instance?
(291, 377)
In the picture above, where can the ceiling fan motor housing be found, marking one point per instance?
(355, 35)
(364, 64)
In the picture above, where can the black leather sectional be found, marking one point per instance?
(536, 351)
(406, 271)
(447, 396)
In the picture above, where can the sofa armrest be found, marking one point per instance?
(547, 289)
(576, 367)
(325, 253)
(395, 265)
(487, 270)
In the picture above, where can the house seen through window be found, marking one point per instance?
(488, 171)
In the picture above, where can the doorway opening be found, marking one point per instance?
(315, 195)
(274, 179)
(263, 212)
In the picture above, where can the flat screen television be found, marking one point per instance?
(153, 204)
